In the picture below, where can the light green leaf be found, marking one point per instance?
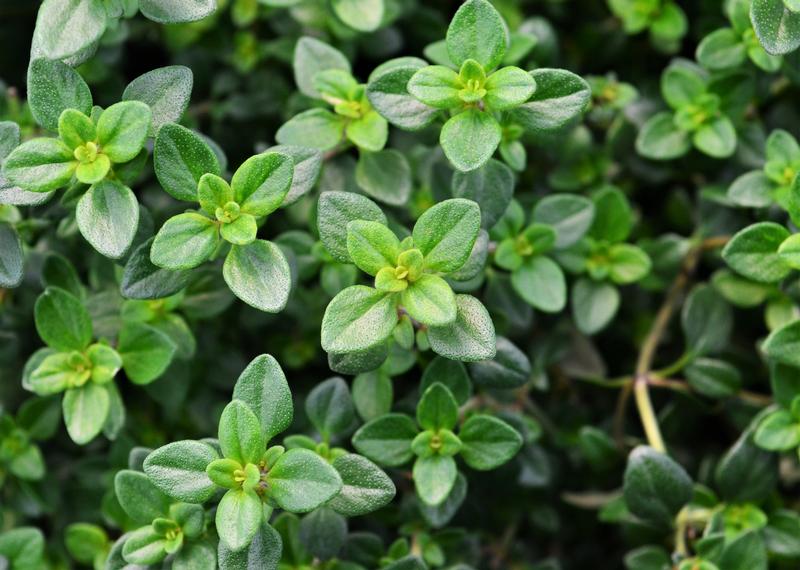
(446, 232)
(166, 90)
(62, 321)
(122, 130)
(146, 352)
(430, 300)
(434, 478)
(40, 165)
(470, 138)
(53, 87)
(263, 387)
(179, 470)
(540, 281)
(387, 439)
(239, 516)
(358, 318)
(259, 275)
(365, 487)
(488, 442)
(108, 217)
(372, 246)
(180, 158)
(477, 31)
(240, 434)
(184, 241)
(261, 183)
(85, 411)
(301, 481)
(470, 337)
(754, 252)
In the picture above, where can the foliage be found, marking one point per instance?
(399, 285)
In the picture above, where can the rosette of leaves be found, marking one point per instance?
(408, 278)
(703, 113)
(664, 20)
(73, 28)
(20, 455)
(255, 478)
(483, 441)
(563, 220)
(256, 270)
(162, 527)
(777, 24)
(485, 103)
(323, 73)
(777, 182)
(602, 257)
(97, 154)
(730, 48)
(84, 370)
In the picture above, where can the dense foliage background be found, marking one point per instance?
(632, 240)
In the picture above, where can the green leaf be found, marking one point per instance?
(437, 408)
(746, 473)
(312, 56)
(66, 27)
(122, 130)
(594, 304)
(782, 344)
(108, 217)
(437, 86)
(434, 478)
(184, 241)
(682, 84)
(777, 27)
(329, 407)
(387, 439)
(316, 128)
(446, 233)
(745, 552)
(385, 175)
(176, 11)
(372, 394)
(144, 546)
(509, 368)
(508, 87)
(372, 246)
(361, 15)
(301, 481)
(263, 387)
(196, 556)
(146, 352)
(713, 378)
(142, 279)
(470, 138)
(488, 442)
(335, 211)
(540, 282)
(661, 139)
(85, 411)
(716, 139)
(628, 263)
(180, 158)
(430, 300)
(166, 91)
(452, 374)
(85, 542)
(560, 99)
(323, 532)
(388, 94)
(239, 516)
(11, 257)
(259, 275)
(369, 133)
(753, 252)
(40, 165)
(213, 192)
(263, 553)
(261, 183)
(789, 251)
(358, 318)
(179, 470)
(240, 434)
(707, 320)
(470, 337)
(569, 215)
(721, 49)
(613, 218)
(477, 31)
(365, 487)
(778, 431)
(62, 321)
(139, 497)
(490, 186)
(751, 190)
(55, 374)
(655, 487)
(75, 128)
(53, 87)
(307, 166)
